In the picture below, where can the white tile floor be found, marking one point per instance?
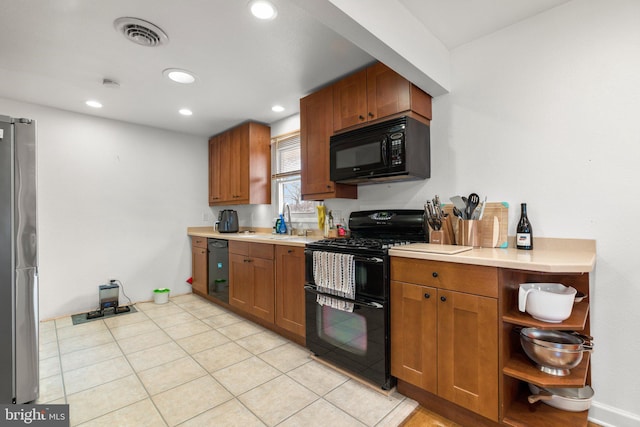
(192, 363)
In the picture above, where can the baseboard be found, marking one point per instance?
(608, 416)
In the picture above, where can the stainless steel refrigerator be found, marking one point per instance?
(18, 262)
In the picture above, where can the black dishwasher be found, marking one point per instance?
(219, 269)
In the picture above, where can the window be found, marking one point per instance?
(287, 185)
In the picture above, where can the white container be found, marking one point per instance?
(548, 302)
(161, 295)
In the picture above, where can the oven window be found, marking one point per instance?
(366, 154)
(342, 329)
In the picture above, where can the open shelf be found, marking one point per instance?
(539, 414)
(575, 322)
(520, 367)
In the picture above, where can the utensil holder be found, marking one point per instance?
(447, 227)
(437, 237)
(468, 232)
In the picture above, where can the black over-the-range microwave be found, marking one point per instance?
(393, 150)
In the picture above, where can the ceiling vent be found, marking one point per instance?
(141, 32)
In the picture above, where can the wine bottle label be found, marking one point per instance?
(523, 239)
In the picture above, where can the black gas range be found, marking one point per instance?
(348, 321)
(376, 231)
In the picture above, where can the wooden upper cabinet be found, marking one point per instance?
(375, 93)
(240, 166)
(316, 127)
(350, 101)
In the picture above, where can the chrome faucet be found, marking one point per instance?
(288, 220)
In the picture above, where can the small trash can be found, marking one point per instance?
(161, 295)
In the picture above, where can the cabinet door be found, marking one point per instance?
(240, 282)
(350, 101)
(468, 351)
(316, 127)
(238, 160)
(215, 193)
(414, 334)
(199, 269)
(262, 288)
(316, 121)
(290, 289)
(219, 169)
(388, 92)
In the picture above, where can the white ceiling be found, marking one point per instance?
(56, 53)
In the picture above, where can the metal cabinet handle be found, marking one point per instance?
(361, 117)
(434, 274)
(443, 298)
(370, 114)
(427, 296)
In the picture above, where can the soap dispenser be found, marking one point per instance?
(282, 225)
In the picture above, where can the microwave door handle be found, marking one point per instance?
(385, 151)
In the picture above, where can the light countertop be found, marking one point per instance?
(257, 237)
(549, 255)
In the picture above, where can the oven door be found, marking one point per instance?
(372, 274)
(356, 341)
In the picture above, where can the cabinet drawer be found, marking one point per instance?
(199, 242)
(253, 250)
(261, 250)
(472, 279)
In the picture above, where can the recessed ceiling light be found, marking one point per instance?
(180, 76)
(93, 104)
(263, 9)
(185, 112)
(277, 108)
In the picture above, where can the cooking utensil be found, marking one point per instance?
(458, 203)
(472, 203)
(580, 297)
(484, 205)
(554, 352)
(569, 399)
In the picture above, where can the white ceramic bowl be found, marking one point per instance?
(548, 302)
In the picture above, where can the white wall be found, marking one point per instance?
(114, 202)
(546, 112)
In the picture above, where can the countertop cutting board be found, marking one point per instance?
(433, 248)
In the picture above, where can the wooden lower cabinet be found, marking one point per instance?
(290, 299)
(199, 265)
(443, 341)
(251, 278)
(468, 351)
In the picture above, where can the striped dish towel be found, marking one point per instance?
(335, 274)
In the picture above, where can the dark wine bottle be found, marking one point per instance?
(524, 233)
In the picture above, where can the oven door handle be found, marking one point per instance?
(368, 259)
(309, 287)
